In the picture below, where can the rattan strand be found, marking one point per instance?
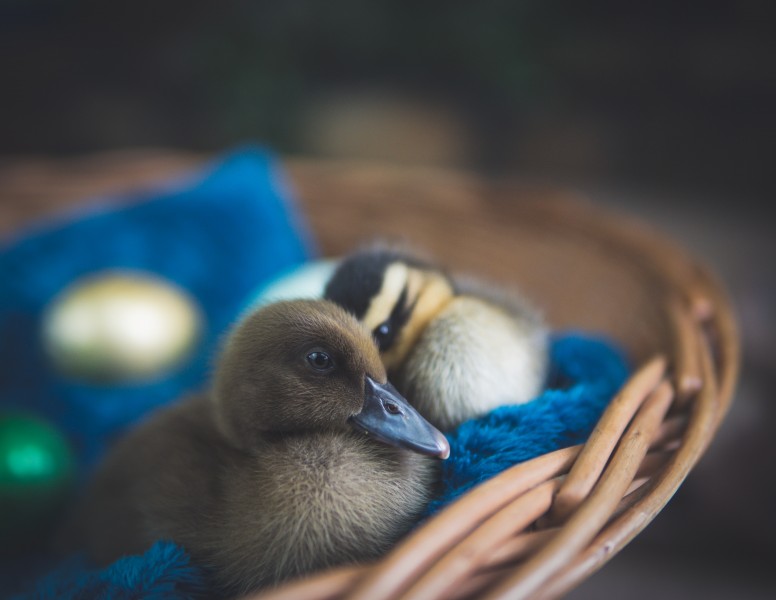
(662, 487)
(595, 511)
(596, 452)
(420, 550)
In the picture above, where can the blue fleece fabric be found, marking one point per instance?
(586, 373)
(164, 572)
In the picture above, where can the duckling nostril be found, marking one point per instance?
(392, 407)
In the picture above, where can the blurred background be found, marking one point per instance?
(665, 111)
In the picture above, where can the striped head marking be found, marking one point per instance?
(392, 295)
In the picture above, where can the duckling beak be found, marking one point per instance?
(388, 417)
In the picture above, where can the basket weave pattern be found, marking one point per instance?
(539, 528)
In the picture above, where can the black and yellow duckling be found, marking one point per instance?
(455, 347)
(302, 457)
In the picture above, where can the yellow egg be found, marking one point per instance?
(119, 326)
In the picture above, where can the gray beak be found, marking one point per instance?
(388, 417)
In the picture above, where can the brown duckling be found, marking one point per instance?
(455, 347)
(271, 475)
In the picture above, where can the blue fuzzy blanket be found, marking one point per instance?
(221, 233)
(164, 572)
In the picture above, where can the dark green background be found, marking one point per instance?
(679, 94)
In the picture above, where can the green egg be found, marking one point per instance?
(36, 473)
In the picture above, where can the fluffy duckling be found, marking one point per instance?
(271, 476)
(456, 348)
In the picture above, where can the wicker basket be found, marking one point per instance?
(539, 528)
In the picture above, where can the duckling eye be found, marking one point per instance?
(382, 335)
(385, 334)
(320, 361)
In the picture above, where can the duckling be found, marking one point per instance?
(301, 457)
(455, 347)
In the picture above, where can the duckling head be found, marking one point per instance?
(307, 365)
(393, 294)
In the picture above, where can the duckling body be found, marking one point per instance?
(271, 477)
(455, 347)
(472, 357)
